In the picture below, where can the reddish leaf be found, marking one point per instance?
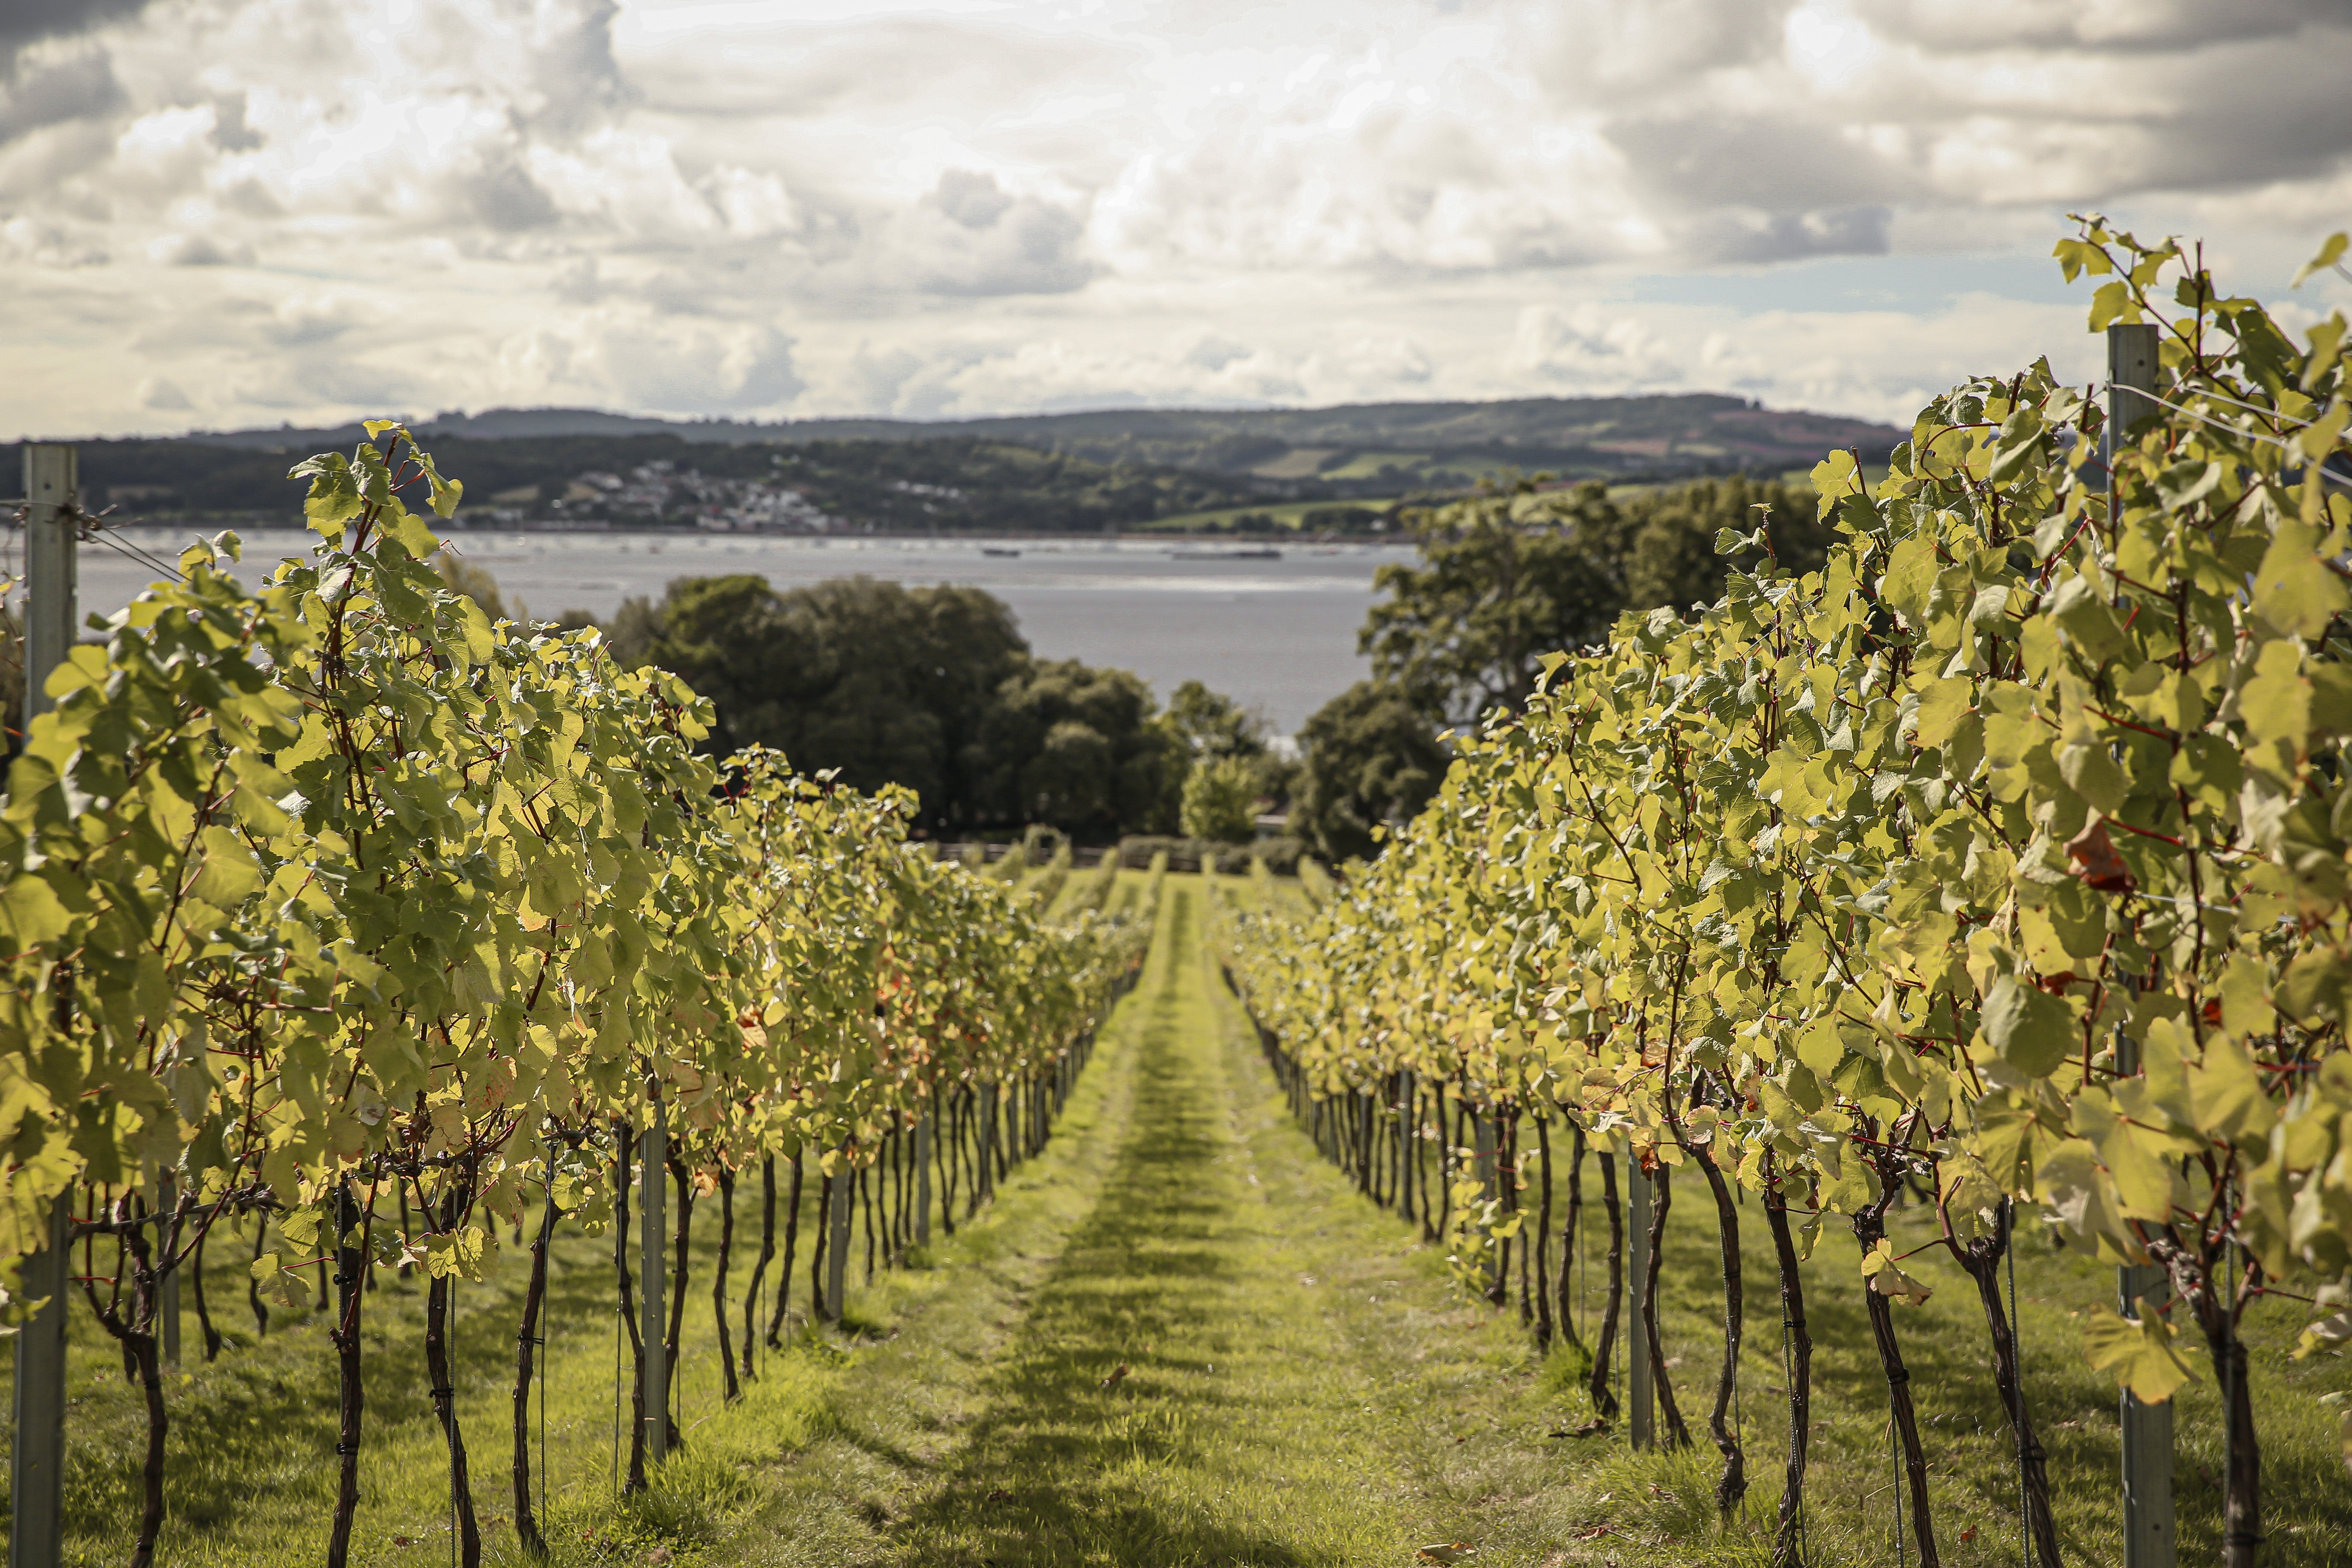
(2099, 866)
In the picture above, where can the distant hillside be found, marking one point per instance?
(1041, 473)
(1353, 449)
(660, 481)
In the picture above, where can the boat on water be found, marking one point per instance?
(999, 550)
(1252, 555)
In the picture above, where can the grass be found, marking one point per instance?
(1289, 515)
(1304, 1384)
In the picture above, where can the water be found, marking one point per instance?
(1279, 636)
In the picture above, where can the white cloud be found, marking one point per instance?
(1585, 349)
(238, 210)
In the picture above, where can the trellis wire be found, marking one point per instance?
(2320, 467)
(131, 553)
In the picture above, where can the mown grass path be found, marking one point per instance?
(1272, 1409)
(1175, 1391)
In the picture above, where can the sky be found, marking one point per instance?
(219, 214)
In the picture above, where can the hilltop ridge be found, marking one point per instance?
(1104, 469)
(1354, 446)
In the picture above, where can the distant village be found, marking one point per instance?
(660, 494)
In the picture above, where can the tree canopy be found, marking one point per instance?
(1502, 578)
(1372, 754)
(931, 687)
(1519, 570)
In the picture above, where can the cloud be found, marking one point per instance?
(24, 22)
(1591, 351)
(29, 241)
(932, 208)
(622, 355)
(1386, 362)
(196, 250)
(2120, 26)
(970, 237)
(1213, 352)
(81, 86)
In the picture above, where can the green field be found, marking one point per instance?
(1303, 1383)
(1289, 514)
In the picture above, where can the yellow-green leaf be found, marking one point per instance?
(2033, 1032)
(2139, 1351)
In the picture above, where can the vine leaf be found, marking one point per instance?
(2294, 589)
(2140, 1351)
(1887, 1278)
(2331, 251)
(2033, 1031)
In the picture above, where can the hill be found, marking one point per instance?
(1048, 472)
(1648, 437)
(663, 481)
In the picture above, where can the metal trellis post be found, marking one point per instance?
(1640, 1414)
(36, 1470)
(652, 1177)
(2147, 1428)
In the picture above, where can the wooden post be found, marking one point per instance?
(1641, 1412)
(653, 1268)
(167, 1292)
(988, 1097)
(1408, 1133)
(1483, 1134)
(36, 1470)
(2148, 1539)
(923, 1181)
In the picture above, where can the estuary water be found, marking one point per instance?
(1277, 635)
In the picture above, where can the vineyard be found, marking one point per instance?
(2000, 863)
(345, 928)
(1803, 1059)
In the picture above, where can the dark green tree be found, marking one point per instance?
(1374, 753)
(888, 684)
(1213, 725)
(1504, 578)
(1519, 571)
(1069, 744)
(478, 585)
(1666, 543)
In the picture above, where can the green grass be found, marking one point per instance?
(1305, 1385)
(1369, 465)
(1288, 514)
(250, 1461)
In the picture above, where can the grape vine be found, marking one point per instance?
(2006, 853)
(335, 910)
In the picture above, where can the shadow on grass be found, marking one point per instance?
(1965, 1431)
(250, 1456)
